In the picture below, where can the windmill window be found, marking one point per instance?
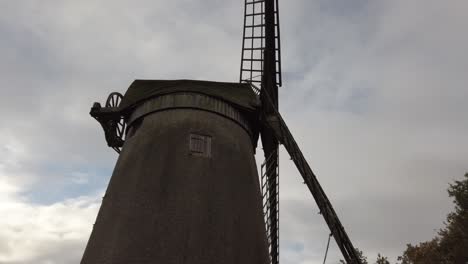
(200, 145)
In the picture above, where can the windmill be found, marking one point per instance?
(185, 188)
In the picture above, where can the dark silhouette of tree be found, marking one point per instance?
(451, 244)
(382, 260)
(425, 252)
(454, 237)
(360, 256)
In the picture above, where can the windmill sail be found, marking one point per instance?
(269, 186)
(253, 42)
(261, 64)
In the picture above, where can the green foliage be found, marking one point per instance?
(451, 244)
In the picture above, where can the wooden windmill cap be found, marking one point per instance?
(240, 95)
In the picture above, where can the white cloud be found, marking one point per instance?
(39, 233)
(33, 233)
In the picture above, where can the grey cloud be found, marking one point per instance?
(374, 93)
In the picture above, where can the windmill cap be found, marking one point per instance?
(240, 95)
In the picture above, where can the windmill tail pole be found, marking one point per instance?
(284, 136)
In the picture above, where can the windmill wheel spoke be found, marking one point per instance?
(114, 99)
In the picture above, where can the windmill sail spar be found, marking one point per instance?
(284, 136)
(261, 64)
(254, 40)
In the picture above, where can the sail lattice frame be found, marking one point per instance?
(253, 43)
(266, 185)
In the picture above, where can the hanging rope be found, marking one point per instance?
(326, 251)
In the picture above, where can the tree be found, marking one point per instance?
(454, 237)
(424, 253)
(451, 243)
(360, 256)
(382, 260)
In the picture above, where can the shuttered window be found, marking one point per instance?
(200, 145)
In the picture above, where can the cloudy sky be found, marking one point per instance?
(375, 92)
